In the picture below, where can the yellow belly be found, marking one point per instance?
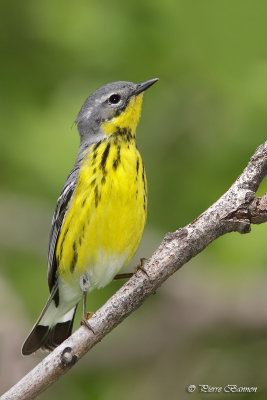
(106, 218)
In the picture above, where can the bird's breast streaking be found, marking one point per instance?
(107, 213)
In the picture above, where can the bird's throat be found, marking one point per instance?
(126, 122)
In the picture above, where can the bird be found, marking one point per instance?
(101, 212)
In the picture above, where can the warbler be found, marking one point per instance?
(101, 212)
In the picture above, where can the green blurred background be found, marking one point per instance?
(200, 125)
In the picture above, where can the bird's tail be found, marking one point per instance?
(51, 329)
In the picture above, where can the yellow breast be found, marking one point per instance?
(106, 218)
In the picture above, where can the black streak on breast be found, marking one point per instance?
(118, 158)
(74, 258)
(105, 156)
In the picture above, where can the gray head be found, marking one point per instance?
(104, 104)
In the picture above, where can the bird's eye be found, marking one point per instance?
(114, 98)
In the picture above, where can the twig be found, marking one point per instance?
(233, 212)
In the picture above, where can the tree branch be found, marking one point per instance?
(233, 212)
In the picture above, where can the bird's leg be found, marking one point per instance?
(85, 283)
(123, 276)
(130, 274)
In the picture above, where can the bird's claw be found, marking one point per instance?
(84, 321)
(141, 266)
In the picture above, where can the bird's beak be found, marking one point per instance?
(141, 87)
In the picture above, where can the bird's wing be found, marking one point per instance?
(57, 222)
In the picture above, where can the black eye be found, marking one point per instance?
(114, 98)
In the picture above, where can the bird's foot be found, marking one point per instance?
(130, 274)
(89, 315)
(141, 266)
(85, 322)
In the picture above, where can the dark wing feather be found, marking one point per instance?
(58, 218)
